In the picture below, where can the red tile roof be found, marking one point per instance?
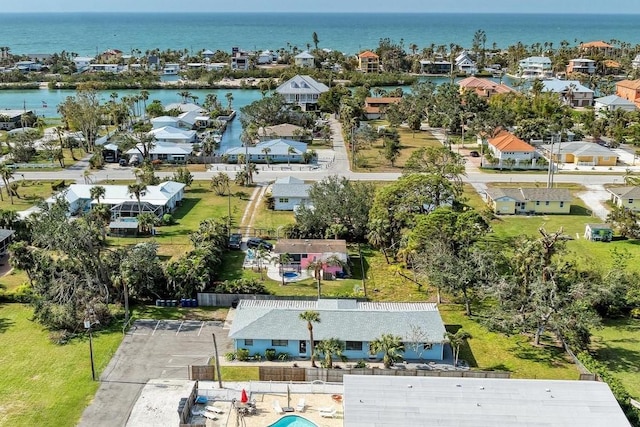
(505, 141)
(368, 54)
(629, 84)
(382, 100)
(597, 43)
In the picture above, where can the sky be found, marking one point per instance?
(399, 6)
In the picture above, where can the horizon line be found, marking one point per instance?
(163, 12)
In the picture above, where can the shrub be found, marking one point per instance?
(23, 293)
(60, 337)
(284, 357)
(270, 354)
(361, 365)
(257, 357)
(230, 356)
(242, 355)
(167, 219)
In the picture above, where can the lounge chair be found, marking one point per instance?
(328, 412)
(213, 409)
(210, 415)
(301, 405)
(277, 408)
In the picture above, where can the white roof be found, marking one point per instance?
(302, 85)
(304, 55)
(157, 195)
(385, 401)
(185, 106)
(278, 147)
(558, 86)
(166, 148)
(614, 100)
(169, 132)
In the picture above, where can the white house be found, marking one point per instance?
(104, 68)
(159, 199)
(171, 69)
(611, 103)
(636, 62)
(288, 193)
(171, 134)
(82, 62)
(185, 107)
(506, 145)
(465, 64)
(571, 92)
(165, 151)
(535, 67)
(303, 91)
(304, 60)
(273, 151)
(265, 57)
(581, 65)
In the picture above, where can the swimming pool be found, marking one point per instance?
(293, 421)
(290, 274)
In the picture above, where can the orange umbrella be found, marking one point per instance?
(243, 397)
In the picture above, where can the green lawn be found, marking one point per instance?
(617, 345)
(270, 220)
(30, 192)
(199, 203)
(488, 350)
(42, 383)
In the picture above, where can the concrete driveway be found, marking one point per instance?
(151, 349)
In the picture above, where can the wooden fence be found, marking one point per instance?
(286, 373)
(202, 373)
(226, 300)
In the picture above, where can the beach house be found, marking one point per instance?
(597, 47)
(580, 153)
(581, 65)
(626, 197)
(629, 90)
(271, 151)
(535, 67)
(612, 103)
(304, 60)
(508, 149)
(368, 62)
(288, 193)
(12, 119)
(509, 201)
(571, 92)
(261, 325)
(484, 88)
(303, 91)
(374, 107)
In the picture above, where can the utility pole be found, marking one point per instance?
(215, 355)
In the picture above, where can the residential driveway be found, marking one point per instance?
(595, 198)
(151, 349)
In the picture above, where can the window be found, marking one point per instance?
(279, 343)
(163, 156)
(562, 204)
(353, 345)
(630, 201)
(248, 343)
(538, 203)
(304, 256)
(427, 346)
(546, 203)
(283, 200)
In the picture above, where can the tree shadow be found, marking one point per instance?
(579, 210)
(549, 355)
(466, 353)
(185, 208)
(231, 266)
(5, 324)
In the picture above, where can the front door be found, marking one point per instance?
(303, 347)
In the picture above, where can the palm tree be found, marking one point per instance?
(266, 151)
(311, 317)
(290, 152)
(229, 97)
(137, 190)
(456, 340)
(144, 95)
(146, 222)
(317, 265)
(282, 260)
(184, 95)
(97, 192)
(328, 348)
(6, 173)
(315, 39)
(390, 346)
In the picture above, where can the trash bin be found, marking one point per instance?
(183, 302)
(194, 302)
(163, 303)
(158, 303)
(174, 303)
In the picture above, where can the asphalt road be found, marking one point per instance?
(151, 349)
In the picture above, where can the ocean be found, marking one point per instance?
(88, 33)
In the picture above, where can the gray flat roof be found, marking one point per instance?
(382, 401)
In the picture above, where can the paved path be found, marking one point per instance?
(595, 198)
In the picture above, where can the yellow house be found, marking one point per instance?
(509, 201)
(626, 197)
(581, 153)
(368, 62)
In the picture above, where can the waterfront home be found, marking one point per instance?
(505, 146)
(288, 193)
(259, 325)
(6, 237)
(272, 151)
(265, 57)
(27, 66)
(168, 152)
(509, 201)
(629, 90)
(612, 103)
(368, 62)
(303, 91)
(374, 107)
(304, 60)
(185, 107)
(207, 54)
(535, 67)
(435, 67)
(12, 119)
(598, 232)
(635, 64)
(626, 197)
(571, 92)
(420, 401)
(597, 47)
(171, 134)
(240, 59)
(465, 64)
(281, 131)
(580, 153)
(82, 62)
(104, 68)
(484, 88)
(305, 252)
(581, 65)
(171, 69)
(158, 199)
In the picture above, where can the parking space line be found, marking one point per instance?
(179, 327)
(154, 329)
(201, 326)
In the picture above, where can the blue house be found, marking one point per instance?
(272, 151)
(259, 325)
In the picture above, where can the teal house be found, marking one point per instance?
(598, 232)
(259, 325)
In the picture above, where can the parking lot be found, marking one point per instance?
(151, 349)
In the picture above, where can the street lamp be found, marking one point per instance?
(87, 325)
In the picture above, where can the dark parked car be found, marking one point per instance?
(474, 154)
(235, 241)
(255, 242)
